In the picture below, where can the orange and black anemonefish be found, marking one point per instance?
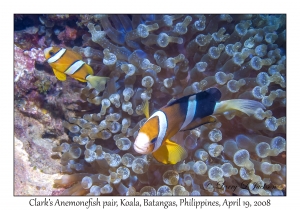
(183, 114)
(68, 62)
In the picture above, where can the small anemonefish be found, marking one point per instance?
(183, 114)
(68, 62)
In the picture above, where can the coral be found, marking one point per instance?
(38, 107)
(67, 34)
(29, 180)
(24, 61)
(26, 38)
(159, 58)
(24, 70)
(43, 86)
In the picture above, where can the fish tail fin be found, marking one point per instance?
(97, 82)
(243, 105)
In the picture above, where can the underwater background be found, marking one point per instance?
(81, 139)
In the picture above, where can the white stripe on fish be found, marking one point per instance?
(57, 56)
(191, 110)
(74, 67)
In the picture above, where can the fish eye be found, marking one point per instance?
(51, 53)
(153, 140)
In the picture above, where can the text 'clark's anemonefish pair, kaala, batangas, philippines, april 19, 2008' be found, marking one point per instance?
(182, 114)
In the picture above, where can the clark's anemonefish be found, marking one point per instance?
(182, 114)
(68, 62)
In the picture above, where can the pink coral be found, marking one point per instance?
(27, 38)
(24, 69)
(36, 54)
(67, 34)
(24, 61)
(41, 42)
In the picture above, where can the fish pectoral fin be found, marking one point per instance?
(198, 122)
(59, 75)
(146, 108)
(170, 153)
(161, 155)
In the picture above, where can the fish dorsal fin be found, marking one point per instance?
(171, 102)
(146, 108)
(59, 75)
(179, 100)
(198, 122)
(169, 153)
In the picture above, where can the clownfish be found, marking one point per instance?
(185, 113)
(68, 62)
